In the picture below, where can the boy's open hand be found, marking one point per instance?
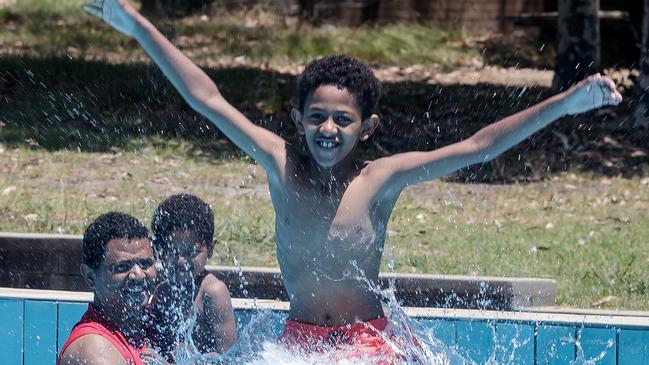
(590, 93)
(119, 14)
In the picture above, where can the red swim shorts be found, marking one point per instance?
(361, 340)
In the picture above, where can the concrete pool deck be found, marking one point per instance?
(51, 261)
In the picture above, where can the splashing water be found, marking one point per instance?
(415, 343)
(581, 359)
(258, 342)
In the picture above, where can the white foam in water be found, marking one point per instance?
(257, 344)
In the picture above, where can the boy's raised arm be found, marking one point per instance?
(192, 83)
(414, 167)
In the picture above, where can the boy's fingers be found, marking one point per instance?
(617, 97)
(612, 98)
(92, 10)
(613, 95)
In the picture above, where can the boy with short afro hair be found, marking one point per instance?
(345, 72)
(183, 226)
(182, 211)
(331, 210)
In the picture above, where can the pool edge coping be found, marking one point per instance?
(548, 315)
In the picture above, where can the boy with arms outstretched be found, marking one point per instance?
(183, 226)
(331, 211)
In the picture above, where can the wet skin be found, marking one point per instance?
(185, 259)
(185, 255)
(331, 211)
(329, 247)
(124, 281)
(122, 285)
(329, 232)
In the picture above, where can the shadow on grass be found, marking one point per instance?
(60, 103)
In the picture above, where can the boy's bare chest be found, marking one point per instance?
(313, 209)
(324, 234)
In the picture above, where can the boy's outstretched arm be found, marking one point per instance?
(410, 168)
(192, 83)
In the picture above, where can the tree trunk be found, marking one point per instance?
(339, 12)
(149, 7)
(173, 8)
(641, 112)
(578, 42)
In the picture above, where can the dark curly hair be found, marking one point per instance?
(344, 72)
(106, 227)
(182, 212)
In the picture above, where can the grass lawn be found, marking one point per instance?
(49, 27)
(589, 233)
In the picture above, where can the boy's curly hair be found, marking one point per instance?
(107, 227)
(344, 72)
(182, 212)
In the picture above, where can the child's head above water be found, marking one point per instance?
(344, 72)
(337, 96)
(183, 226)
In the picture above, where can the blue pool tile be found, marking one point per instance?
(243, 317)
(269, 322)
(11, 331)
(475, 340)
(443, 330)
(69, 315)
(514, 343)
(633, 347)
(40, 333)
(555, 345)
(598, 345)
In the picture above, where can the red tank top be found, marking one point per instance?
(93, 322)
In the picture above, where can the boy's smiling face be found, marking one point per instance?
(332, 124)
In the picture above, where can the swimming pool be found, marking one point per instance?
(34, 324)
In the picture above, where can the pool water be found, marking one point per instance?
(32, 332)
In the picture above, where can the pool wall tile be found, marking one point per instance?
(32, 332)
(633, 347)
(598, 344)
(475, 340)
(444, 331)
(40, 332)
(514, 343)
(11, 331)
(69, 315)
(242, 318)
(555, 345)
